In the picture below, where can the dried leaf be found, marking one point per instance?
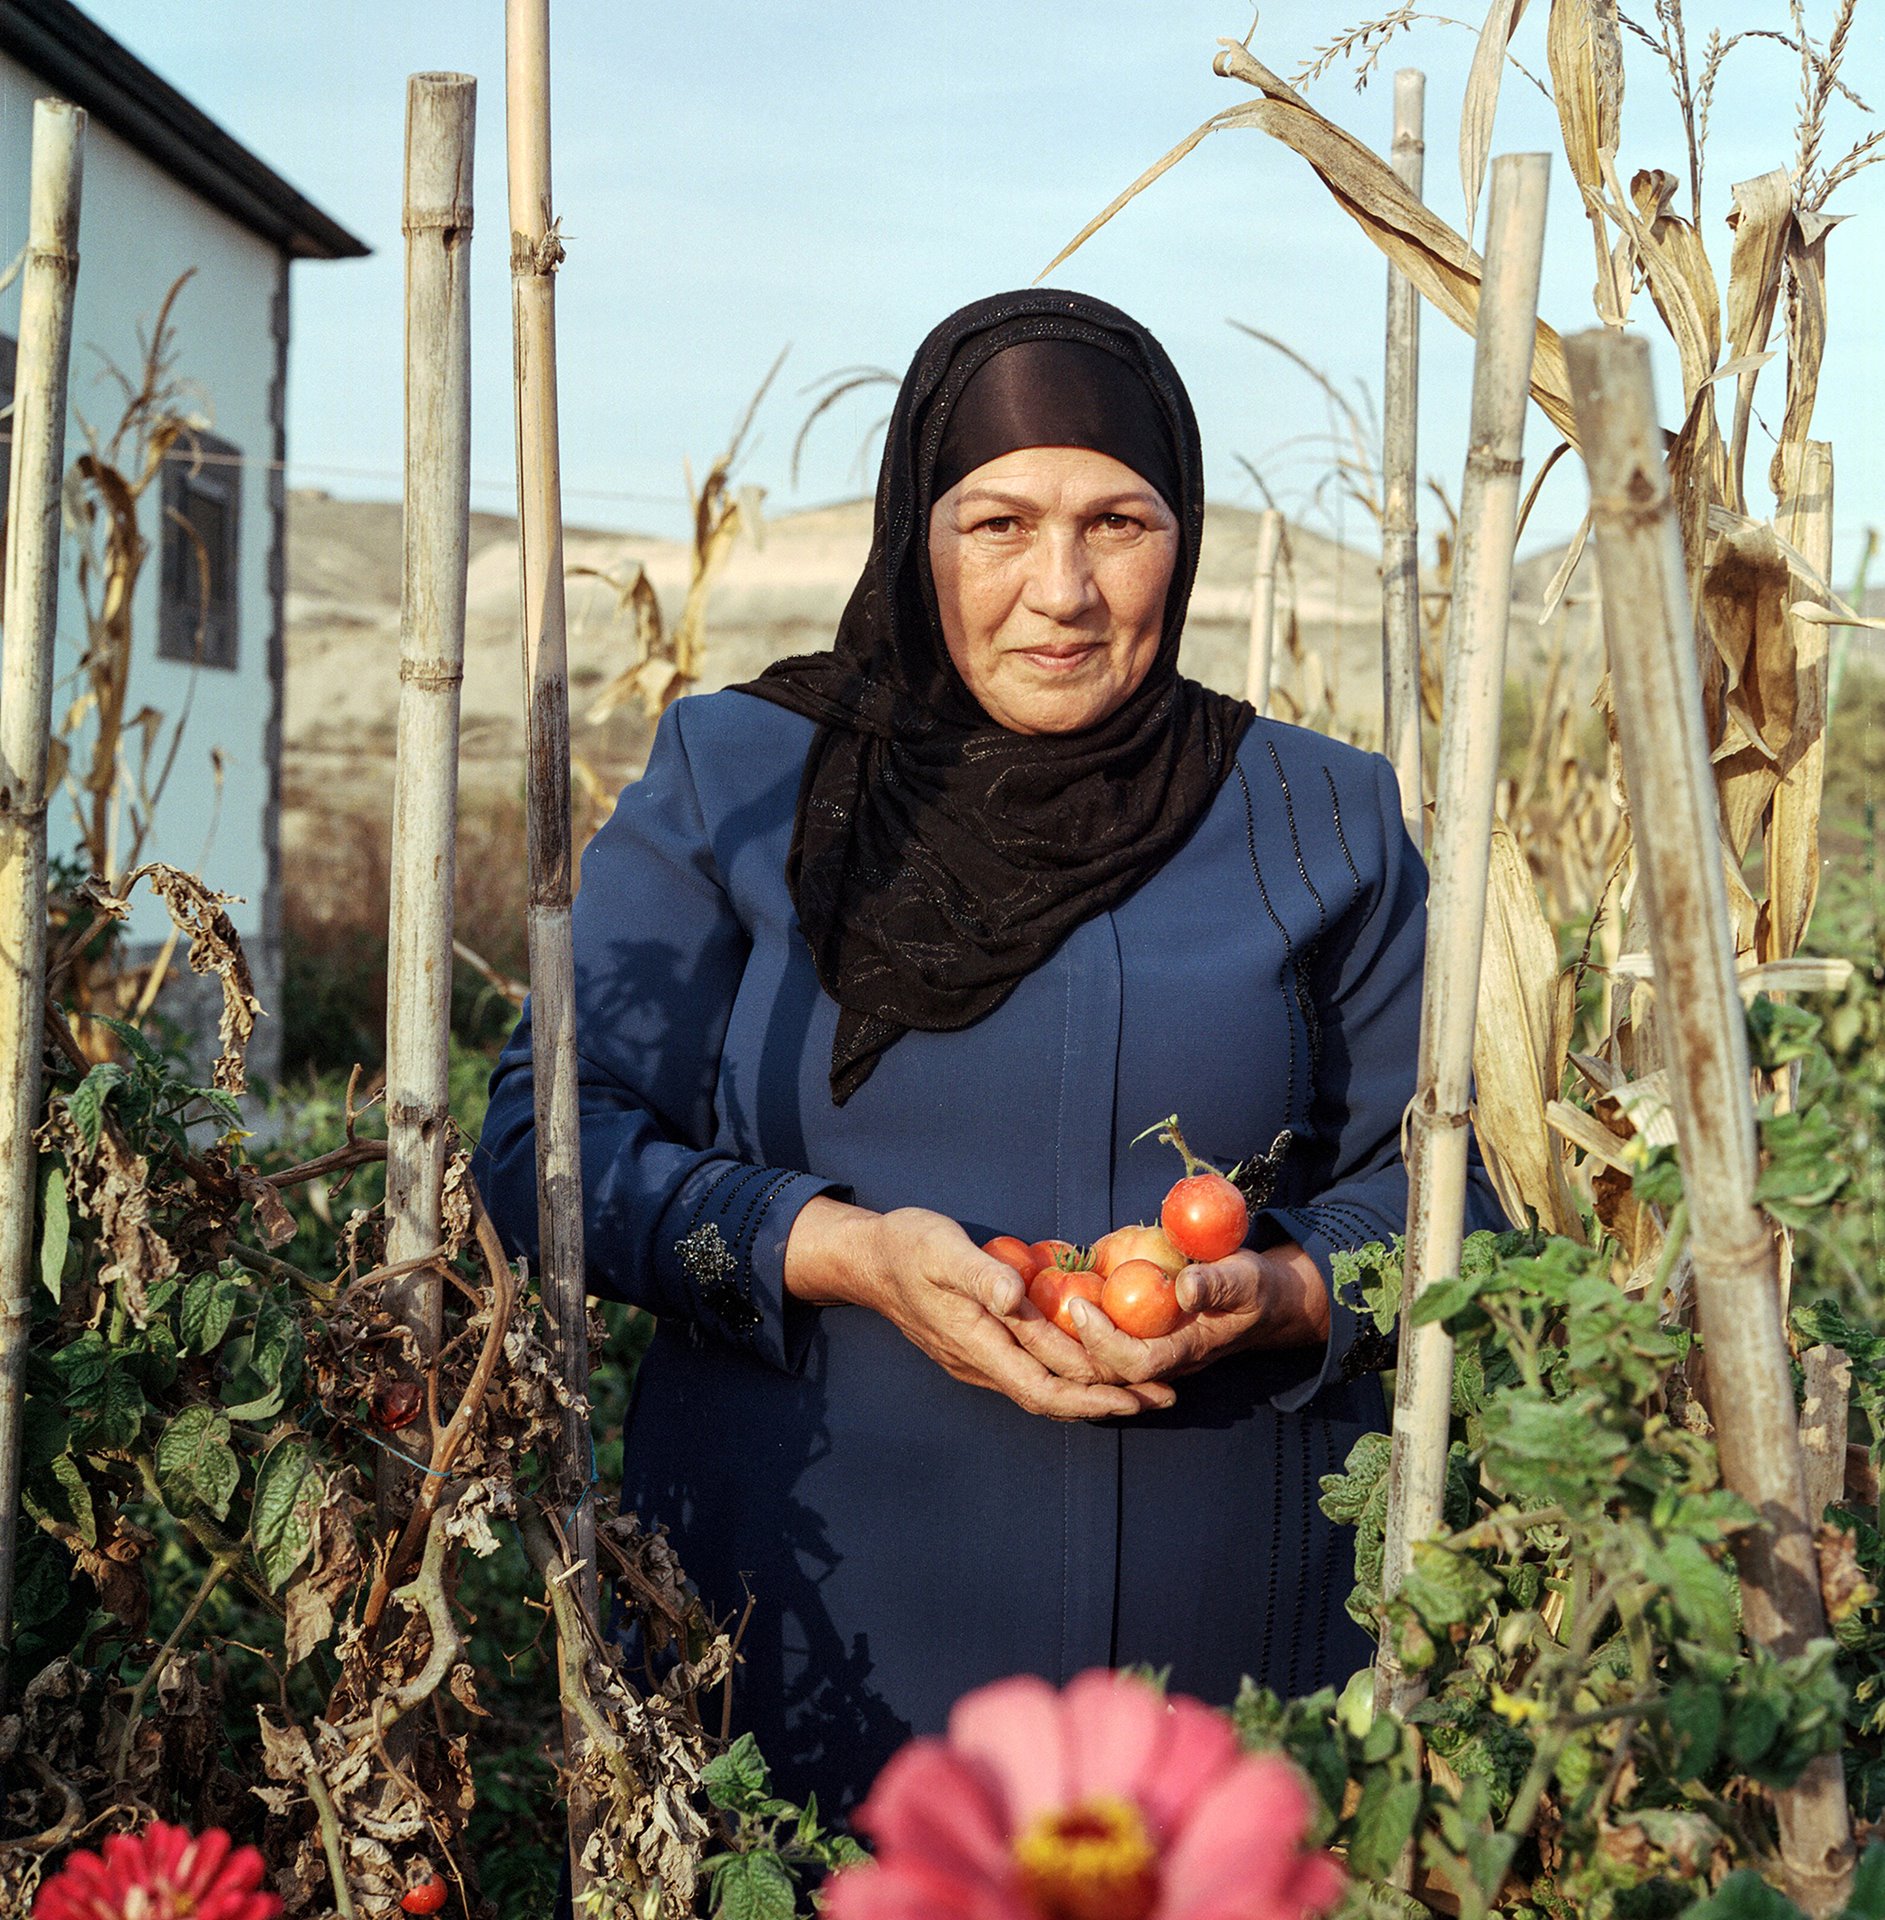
(1589, 1137)
(1806, 343)
(1843, 1584)
(1793, 831)
(1585, 57)
(1415, 239)
(273, 1219)
(215, 947)
(1561, 574)
(334, 1570)
(1521, 1040)
(111, 1184)
(1482, 99)
(1745, 593)
(1681, 281)
(1762, 218)
(636, 597)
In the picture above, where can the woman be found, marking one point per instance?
(899, 947)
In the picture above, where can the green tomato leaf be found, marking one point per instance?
(287, 1493)
(1701, 1590)
(55, 1232)
(1447, 1589)
(1867, 1901)
(209, 1304)
(1384, 1822)
(738, 1777)
(1754, 1724)
(275, 1349)
(74, 1501)
(86, 1102)
(110, 1412)
(754, 1886)
(136, 1042)
(82, 1362)
(43, 1584)
(46, 1433)
(196, 1466)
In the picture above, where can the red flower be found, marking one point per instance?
(1106, 1802)
(162, 1873)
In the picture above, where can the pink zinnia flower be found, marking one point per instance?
(1109, 1801)
(162, 1873)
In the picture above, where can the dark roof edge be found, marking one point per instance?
(84, 64)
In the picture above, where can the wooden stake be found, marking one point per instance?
(1263, 609)
(1462, 842)
(26, 673)
(1825, 1421)
(440, 117)
(1664, 740)
(1400, 522)
(536, 253)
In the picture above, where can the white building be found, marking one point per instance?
(165, 190)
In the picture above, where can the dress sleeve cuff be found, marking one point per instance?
(721, 1253)
(1323, 1229)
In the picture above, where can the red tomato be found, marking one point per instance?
(1137, 1243)
(1050, 1253)
(1054, 1289)
(427, 1897)
(397, 1404)
(1141, 1299)
(1015, 1253)
(1205, 1216)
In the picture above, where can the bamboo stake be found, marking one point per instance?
(1664, 741)
(1400, 522)
(440, 118)
(31, 610)
(536, 252)
(1825, 1420)
(1462, 842)
(1263, 609)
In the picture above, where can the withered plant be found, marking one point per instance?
(114, 763)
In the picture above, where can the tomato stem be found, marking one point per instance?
(1168, 1131)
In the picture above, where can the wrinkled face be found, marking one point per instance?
(1051, 566)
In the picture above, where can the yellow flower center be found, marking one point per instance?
(1091, 1862)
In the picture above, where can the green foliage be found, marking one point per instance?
(199, 1436)
(776, 1848)
(1579, 1625)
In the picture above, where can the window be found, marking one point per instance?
(200, 546)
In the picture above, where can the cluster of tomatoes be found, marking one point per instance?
(1131, 1274)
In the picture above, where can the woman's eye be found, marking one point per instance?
(996, 523)
(1120, 523)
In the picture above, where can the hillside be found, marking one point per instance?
(781, 595)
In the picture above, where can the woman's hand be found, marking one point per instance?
(965, 1309)
(1270, 1299)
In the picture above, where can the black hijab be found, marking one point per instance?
(937, 857)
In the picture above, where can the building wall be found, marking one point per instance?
(138, 231)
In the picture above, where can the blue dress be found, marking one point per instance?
(907, 1537)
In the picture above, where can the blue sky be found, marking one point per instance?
(836, 176)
